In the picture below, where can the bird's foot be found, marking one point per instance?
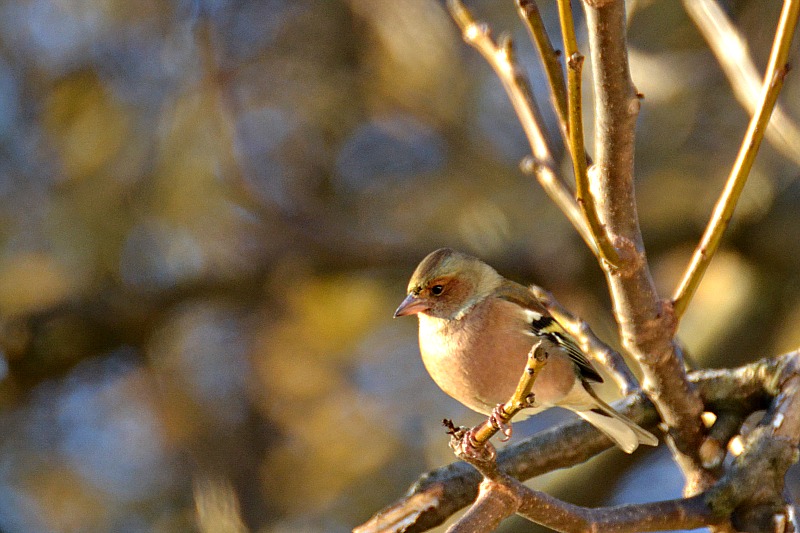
(500, 422)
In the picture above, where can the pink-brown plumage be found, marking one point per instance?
(497, 339)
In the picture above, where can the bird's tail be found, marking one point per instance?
(624, 432)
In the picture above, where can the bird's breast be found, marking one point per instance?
(478, 359)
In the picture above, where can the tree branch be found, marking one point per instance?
(475, 442)
(562, 197)
(750, 493)
(500, 57)
(496, 502)
(725, 427)
(440, 493)
(646, 325)
(688, 513)
(723, 210)
(754, 484)
(501, 495)
(585, 198)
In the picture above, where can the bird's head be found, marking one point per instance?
(447, 284)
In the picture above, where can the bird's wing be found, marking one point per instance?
(543, 324)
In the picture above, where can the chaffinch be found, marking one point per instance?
(475, 331)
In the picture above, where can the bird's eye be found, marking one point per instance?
(436, 290)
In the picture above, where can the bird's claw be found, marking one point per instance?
(499, 421)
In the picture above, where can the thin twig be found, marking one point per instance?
(529, 13)
(723, 210)
(501, 59)
(590, 343)
(731, 51)
(584, 195)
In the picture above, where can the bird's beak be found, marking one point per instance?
(411, 306)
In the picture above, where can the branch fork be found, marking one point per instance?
(750, 493)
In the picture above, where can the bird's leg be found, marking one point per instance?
(500, 421)
(523, 396)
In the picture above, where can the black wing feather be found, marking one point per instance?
(585, 367)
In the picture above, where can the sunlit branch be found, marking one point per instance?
(500, 57)
(529, 13)
(646, 325)
(575, 129)
(476, 439)
(723, 210)
(562, 197)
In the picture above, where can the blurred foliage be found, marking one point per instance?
(209, 211)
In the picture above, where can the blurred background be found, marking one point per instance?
(210, 209)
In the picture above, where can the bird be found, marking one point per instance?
(476, 329)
